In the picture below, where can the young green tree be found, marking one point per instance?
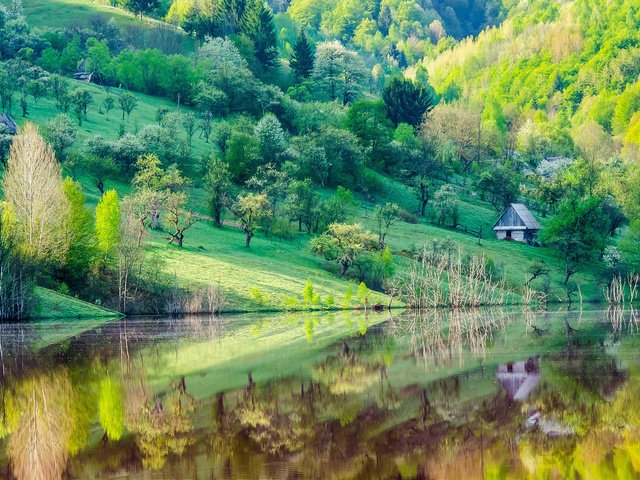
(578, 231)
(385, 216)
(108, 218)
(189, 125)
(80, 100)
(61, 134)
(367, 120)
(303, 204)
(251, 209)
(111, 408)
(77, 232)
(218, 184)
(127, 103)
(109, 103)
(445, 204)
(302, 58)
(343, 243)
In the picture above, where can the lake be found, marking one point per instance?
(475, 394)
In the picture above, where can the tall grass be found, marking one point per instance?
(450, 280)
(622, 289)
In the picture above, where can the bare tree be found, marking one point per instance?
(32, 185)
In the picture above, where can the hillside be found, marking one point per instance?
(300, 146)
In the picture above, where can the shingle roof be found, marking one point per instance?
(10, 124)
(525, 215)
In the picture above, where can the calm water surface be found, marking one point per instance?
(439, 395)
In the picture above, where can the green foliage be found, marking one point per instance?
(343, 244)
(111, 409)
(108, 219)
(407, 102)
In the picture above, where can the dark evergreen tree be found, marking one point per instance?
(303, 57)
(385, 19)
(141, 6)
(256, 23)
(406, 101)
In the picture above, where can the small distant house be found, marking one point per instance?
(516, 223)
(81, 72)
(7, 122)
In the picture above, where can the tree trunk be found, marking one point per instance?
(217, 214)
(100, 185)
(345, 267)
(247, 242)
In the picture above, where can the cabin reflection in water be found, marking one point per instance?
(519, 378)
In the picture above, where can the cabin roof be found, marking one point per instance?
(9, 123)
(530, 223)
(82, 66)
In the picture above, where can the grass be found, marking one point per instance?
(60, 14)
(51, 304)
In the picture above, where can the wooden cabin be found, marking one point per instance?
(517, 224)
(81, 72)
(7, 122)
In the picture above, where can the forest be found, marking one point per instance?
(235, 155)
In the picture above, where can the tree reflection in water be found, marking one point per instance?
(415, 396)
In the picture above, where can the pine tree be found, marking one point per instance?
(257, 25)
(303, 57)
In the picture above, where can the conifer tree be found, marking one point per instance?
(303, 57)
(257, 24)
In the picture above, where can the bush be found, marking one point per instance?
(407, 217)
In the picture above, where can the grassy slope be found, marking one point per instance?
(51, 304)
(280, 267)
(277, 267)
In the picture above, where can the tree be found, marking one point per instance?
(579, 230)
(37, 88)
(218, 183)
(385, 215)
(32, 185)
(343, 243)
(61, 134)
(462, 143)
(257, 24)
(100, 168)
(251, 209)
(339, 73)
(304, 203)
(271, 138)
(139, 7)
(178, 217)
(189, 124)
(127, 103)
(500, 186)
(108, 104)
(78, 232)
(367, 120)
(407, 102)
(302, 58)
(108, 218)
(60, 89)
(445, 204)
(80, 100)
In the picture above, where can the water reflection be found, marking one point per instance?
(475, 394)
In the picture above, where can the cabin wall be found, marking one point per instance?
(516, 235)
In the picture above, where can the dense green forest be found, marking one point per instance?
(234, 154)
